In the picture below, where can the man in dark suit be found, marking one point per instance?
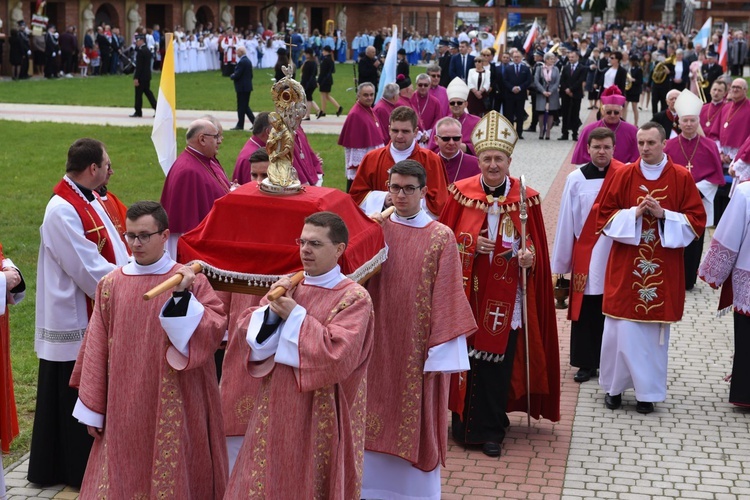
(243, 85)
(668, 118)
(105, 51)
(517, 80)
(461, 63)
(142, 76)
(444, 61)
(571, 82)
(367, 67)
(710, 69)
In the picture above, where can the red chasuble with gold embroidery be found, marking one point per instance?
(491, 288)
(406, 407)
(656, 274)
(163, 434)
(306, 434)
(117, 212)
(372, 175)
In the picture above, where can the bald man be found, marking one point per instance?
(243, 86)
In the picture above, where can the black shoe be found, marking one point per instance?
(562, 138)
(575, 136)
(491, 449)
(136, 115)
(644, 407)
(521, 137)
(613, 402)
(584, 375)
(306, 118)
(546, 138)
(237, 128)
(541, 137)
(319, 115)
(339, 111)
(530, 129)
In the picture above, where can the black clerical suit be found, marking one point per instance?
(572, 80)
(243, 86)
(142, 75)
(516, 76)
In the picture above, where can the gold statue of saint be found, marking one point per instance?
(280, 147)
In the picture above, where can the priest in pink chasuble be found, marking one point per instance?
(652, 212)
(311, 348)
(727, 264)
(483, 212)
(146, 378)
(420, 342)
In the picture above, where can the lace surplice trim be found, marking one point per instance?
(717, 264)
(741, 289)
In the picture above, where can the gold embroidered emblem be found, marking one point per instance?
(579, 282)
(244, 409)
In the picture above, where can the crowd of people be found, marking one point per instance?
(351, 380)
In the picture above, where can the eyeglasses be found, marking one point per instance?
(423, 85)
(612, 112)
(215, 136)
(143, 238)
(456, 103)
(448, 138)
(312, 243)
(408, 190)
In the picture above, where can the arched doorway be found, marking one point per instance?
(283, 18)
(106, 14)
(205, 16)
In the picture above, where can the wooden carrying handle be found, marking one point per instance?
(170, 283)
(280, 290)
(387, 212)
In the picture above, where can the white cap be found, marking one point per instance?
(457, 89)
(688, 104)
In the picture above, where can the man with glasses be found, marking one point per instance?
(419, 343)
(458, 165)
(155, 356)
(651, 213)
(311, 347)
(369, 187)
(483, 213)
(582, 253)
(194, 182)
(625, 133)
(458, 93)
(437, 90)
(426, 106)
(362, 131)
(79, 246)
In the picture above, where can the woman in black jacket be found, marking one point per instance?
(283, 60)
(325, 82)
(309, 79)
(633, 94)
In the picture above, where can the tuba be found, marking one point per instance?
(702, 85)
(661, 71)
(629, 82)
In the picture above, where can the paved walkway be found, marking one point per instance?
(695, 445)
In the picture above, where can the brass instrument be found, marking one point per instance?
(702, 85)
(661, 71)
(629, 82)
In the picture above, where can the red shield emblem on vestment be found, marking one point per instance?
(496, 316)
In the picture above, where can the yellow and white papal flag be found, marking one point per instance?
(164, 133)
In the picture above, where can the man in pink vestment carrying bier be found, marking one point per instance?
(146, 379)
(420, 342)
(311, 348)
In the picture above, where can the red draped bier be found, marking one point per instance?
(8, 413)
(466, 213)
(249, 235)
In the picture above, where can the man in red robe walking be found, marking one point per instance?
(369, 187)
(419, 343)
(145, 376)
(652, 212)
(484, 215)
(311, 347)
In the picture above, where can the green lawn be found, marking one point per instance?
(205, 90)
(31, 168)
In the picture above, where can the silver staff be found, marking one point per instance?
(524, 216)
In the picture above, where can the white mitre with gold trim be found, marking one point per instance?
(495, 132)
(688, 104)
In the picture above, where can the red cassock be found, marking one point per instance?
(372, 175)
(466, 213)
(656, 274)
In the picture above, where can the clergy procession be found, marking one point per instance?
(266, 335)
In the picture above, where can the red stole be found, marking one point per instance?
(117, 213)
(93, 228)
(584, 246)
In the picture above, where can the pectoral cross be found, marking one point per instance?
(496, 315)
(689, 166)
